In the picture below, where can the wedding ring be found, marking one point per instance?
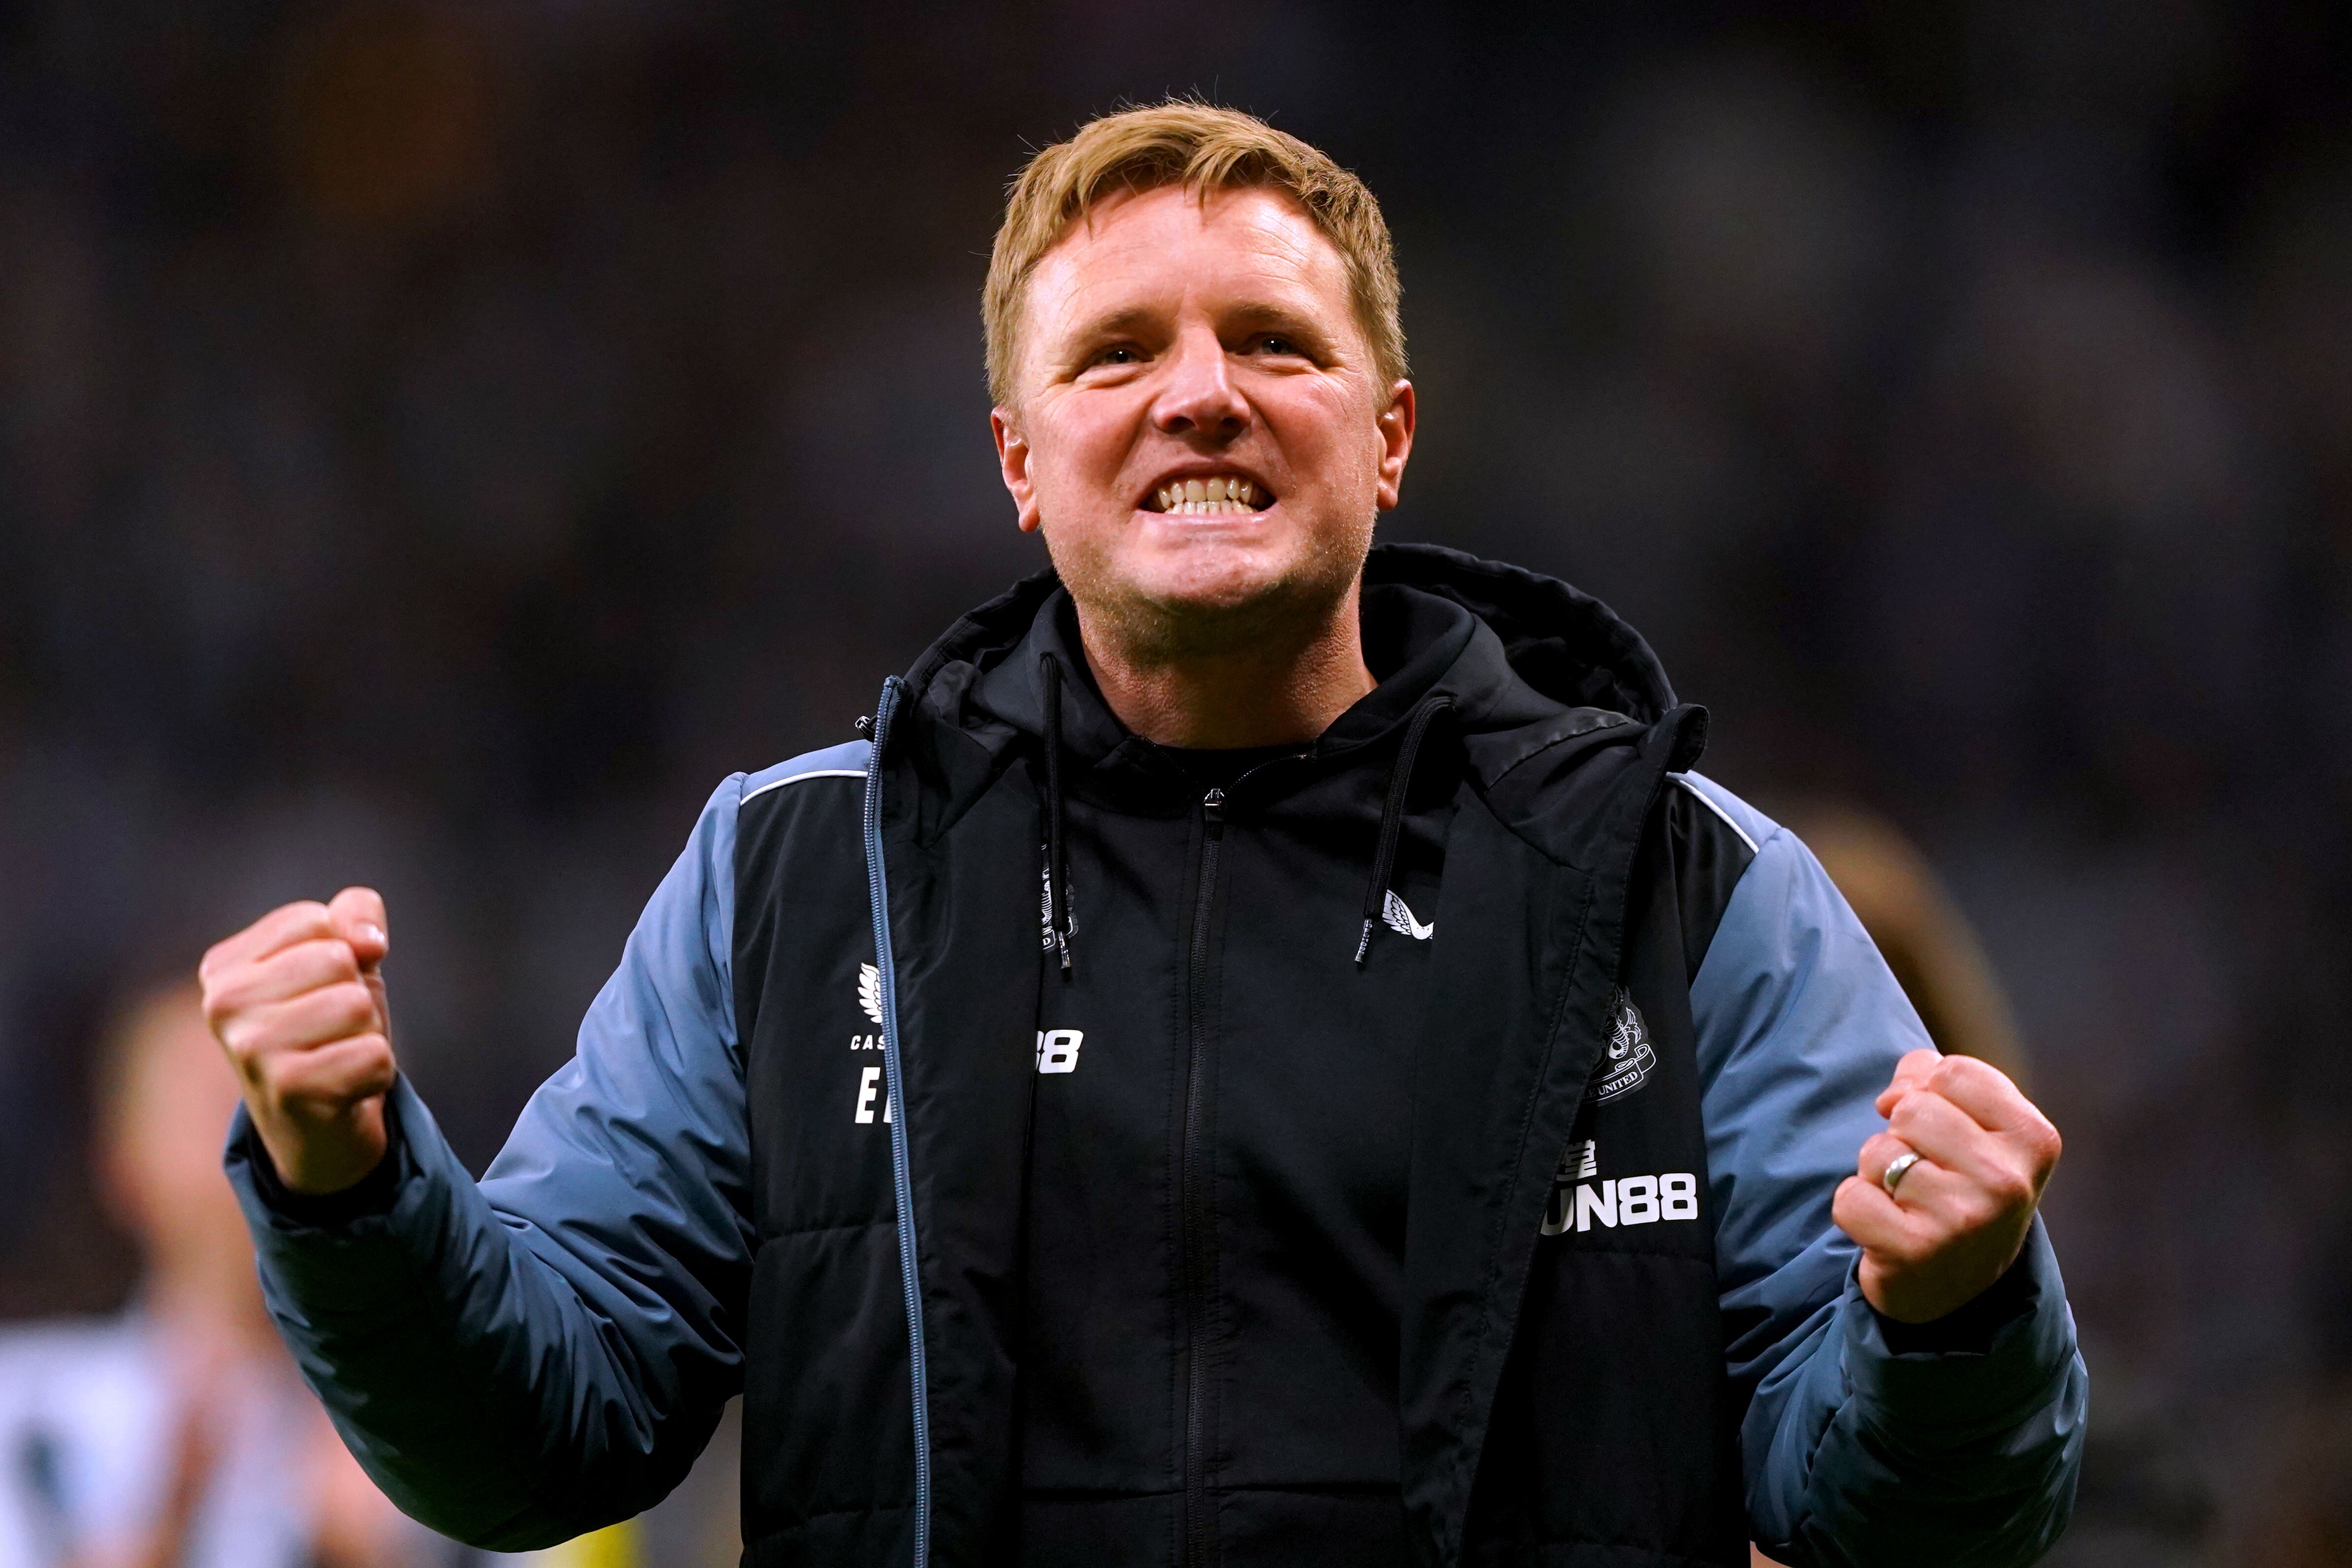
(1895, 1170)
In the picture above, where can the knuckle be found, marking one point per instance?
(352, 1004)
(1975, 1212)
(246, 1038)
(1959, 1070)
(335, 955)
(2008, 1192)
(276, 1075)
(225, 990)
(235, 1035)
(376, 1066)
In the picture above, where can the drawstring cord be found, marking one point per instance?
(1058, 925)
(1058, 866)
(1393, 817)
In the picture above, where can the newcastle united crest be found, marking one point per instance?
(1630, 1060)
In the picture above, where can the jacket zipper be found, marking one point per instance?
(902, 1185)
(1196, 1205)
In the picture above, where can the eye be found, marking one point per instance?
(1122, 353)
(1273, 344)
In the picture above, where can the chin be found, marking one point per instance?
(1237, 602)
(1220, 576)
(1191, 585)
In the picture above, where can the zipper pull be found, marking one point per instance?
(1213, 807)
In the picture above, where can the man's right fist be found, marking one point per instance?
(297, 1000)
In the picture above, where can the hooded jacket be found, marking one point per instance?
(1184, 1194)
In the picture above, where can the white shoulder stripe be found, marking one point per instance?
(812, 774)
(1701, 796)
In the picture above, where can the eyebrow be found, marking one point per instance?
(1125, 320)
(1266, 312)
(1130, 319)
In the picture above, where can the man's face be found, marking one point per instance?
(1199, 429)
(159, 1152)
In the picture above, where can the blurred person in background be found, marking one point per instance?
(177, 1434)
(1454, 1130)
(1926, 941)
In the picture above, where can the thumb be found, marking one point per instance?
(358, 917)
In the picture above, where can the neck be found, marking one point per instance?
(1282, 687)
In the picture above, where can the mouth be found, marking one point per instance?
(1209, 495)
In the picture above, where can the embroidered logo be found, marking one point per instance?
(873, 1094)
(1400, 920)
(1631, 1059)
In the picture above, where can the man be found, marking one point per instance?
(1265, 1055)
(175, 1434)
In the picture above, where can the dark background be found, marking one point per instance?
(437, 445)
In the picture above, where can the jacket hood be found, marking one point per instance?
(1513, 649)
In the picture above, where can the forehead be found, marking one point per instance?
(1163, 250)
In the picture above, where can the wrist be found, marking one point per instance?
(375, 1193)
(1969, 1327)
(316, 1158)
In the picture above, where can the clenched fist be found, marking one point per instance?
(297, 1000)
(1959, 1212)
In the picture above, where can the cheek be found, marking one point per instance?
(1329, 436)
(1076, 456)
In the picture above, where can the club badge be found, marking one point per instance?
(1630, 1060)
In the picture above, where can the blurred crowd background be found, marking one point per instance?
(438, 443)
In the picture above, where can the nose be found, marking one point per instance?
(1199, 396)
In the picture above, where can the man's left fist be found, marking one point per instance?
(1960, 1212)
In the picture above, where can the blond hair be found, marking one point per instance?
(1206, 150)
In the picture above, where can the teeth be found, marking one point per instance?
(1219, 497)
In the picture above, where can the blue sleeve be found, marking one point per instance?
(1855, 1452)
(521, 1361)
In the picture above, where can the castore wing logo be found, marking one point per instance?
(1400, 920)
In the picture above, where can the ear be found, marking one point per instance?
(1395, 425)
(1013, 464)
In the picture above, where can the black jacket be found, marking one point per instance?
(1264, 1231)
(1228, 1243)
